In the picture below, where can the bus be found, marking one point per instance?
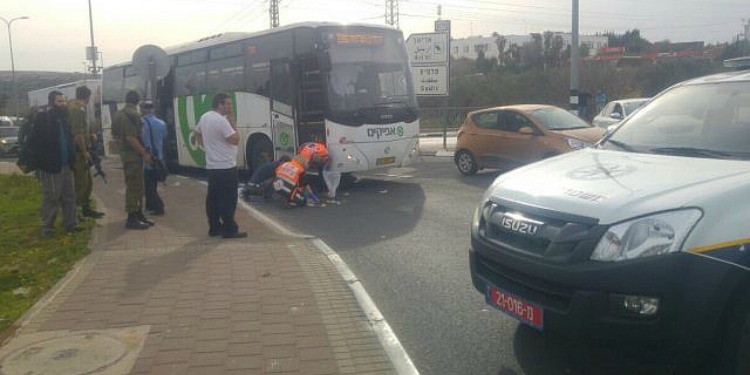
(348, 86)
(38, 99)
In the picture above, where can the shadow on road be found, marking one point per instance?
(370, 211)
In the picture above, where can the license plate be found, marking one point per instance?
(515, 307)
(384, 161)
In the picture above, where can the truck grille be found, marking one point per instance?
(555, 236)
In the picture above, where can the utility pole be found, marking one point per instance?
(575, 59)
(91, 52)
(391, 13)
(12, 63)
(274, 12)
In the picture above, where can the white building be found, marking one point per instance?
(469, 47)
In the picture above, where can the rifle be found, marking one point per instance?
(96, 161)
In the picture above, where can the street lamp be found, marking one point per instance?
(12, 64)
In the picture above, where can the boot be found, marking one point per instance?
(134, 222)
(143, 218)
(86, 211)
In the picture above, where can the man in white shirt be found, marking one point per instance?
(217, 133)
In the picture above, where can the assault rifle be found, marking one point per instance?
(96, 161)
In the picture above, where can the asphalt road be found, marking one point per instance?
(405, 233)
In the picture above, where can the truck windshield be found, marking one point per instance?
(703, 120)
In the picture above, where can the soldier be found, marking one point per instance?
(81, 134)
(127, 128)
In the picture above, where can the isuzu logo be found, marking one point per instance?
(518, 224)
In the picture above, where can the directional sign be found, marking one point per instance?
(443, 26)
(430, 80)
(427, 48)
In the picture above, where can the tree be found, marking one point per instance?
(483, 64)
(533, 52)
(500, 42)
(631, 40)
(553, 49)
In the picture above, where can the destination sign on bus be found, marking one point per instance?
(359, 39)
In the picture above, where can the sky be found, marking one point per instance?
(56, 35)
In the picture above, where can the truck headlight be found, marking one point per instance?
(646, 236)
(578, 144)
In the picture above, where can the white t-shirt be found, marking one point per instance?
(220, 154)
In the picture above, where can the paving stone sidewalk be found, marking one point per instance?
(179, 302)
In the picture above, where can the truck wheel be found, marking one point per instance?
(466, 163)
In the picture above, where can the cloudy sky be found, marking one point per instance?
(57, 32)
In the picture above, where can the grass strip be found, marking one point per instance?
(29, 263)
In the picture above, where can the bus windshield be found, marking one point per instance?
(369, 79)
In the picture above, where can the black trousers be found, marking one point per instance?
(221, 201)
(153, 200)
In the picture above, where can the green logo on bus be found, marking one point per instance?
(284, 139)
(400, 131)
(196, 105)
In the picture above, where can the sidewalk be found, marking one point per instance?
(171, 300)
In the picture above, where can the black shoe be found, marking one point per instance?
(136, 224)
(235, 235)
(140, 216)
(74, 230)
(214, 234)
(88, 212)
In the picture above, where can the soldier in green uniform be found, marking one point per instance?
(81, 134)
(126, 127)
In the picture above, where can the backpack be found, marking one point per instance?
(26, 158)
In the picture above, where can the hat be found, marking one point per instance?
(147, 104)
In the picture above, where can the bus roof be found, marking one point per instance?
(218, 39)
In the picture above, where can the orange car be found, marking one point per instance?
(519, 134)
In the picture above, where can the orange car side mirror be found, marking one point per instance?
(527, 130)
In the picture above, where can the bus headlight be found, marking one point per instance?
(646, 236)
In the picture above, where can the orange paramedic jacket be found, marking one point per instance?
(288, 177)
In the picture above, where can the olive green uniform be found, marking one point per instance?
(81, 172)
(127, 123)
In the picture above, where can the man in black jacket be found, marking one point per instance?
(51, 144)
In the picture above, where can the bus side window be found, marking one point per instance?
(261, 78)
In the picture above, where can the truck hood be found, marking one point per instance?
(590, 135)
(613, 186)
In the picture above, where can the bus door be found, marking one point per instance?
(311, 99)
(282, 110)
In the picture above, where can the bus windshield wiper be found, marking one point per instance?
(621, 145)
(692, 151)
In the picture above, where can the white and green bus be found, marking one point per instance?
(348, 86)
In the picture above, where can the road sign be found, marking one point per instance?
(428, 48)
(430, 80)
(443, 26)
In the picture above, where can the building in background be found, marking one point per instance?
(470, 47)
